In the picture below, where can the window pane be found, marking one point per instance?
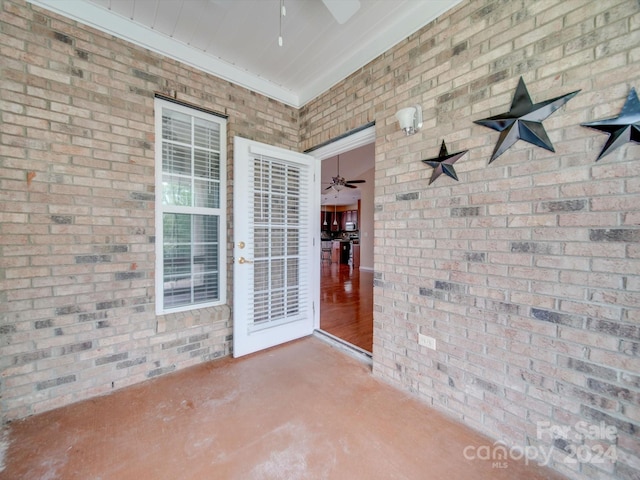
(278, 180)
(177, 261)
(293, 241)
(206, 164)
(207, 194)
(176, 191)
(177, 292)
(261, 243)
(191, 259)
(206, 288)
(206, 134)
(260, 207)
(205, 228)
(276, 239)
(292, 272)
(176, 126)
(277, 242)
(277, 210)
(261, 276)
(277, 305)
(293, 210)
(261, 302)
(294, 182)
(189, 156)
(206, 256)
(176, 159)
(277, 274)
(176, 228)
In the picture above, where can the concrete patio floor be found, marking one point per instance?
(304, 410)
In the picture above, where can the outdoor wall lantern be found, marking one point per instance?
(410, 119)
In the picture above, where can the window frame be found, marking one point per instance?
(160, 105)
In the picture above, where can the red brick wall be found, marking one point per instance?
(525, 271)
(77, 312)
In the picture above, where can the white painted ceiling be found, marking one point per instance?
(238, 39)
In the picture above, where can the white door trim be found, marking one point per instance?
(350, 142)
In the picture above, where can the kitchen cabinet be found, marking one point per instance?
(348, 216)
(330, 216)
(341, 219)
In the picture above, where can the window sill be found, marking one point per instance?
(177, 321)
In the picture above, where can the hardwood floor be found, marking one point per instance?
(346, 304)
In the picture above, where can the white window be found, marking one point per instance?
(190, 208)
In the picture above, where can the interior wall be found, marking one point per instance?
(525, 271)
(77, 236)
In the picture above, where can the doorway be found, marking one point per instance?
(346, 224)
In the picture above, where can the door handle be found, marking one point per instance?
(243, 260)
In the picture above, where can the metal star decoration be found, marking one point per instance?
(621, 129)
(443, 163)
(524, 120)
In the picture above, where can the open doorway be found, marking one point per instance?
(346, 226)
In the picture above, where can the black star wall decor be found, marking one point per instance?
(621, 129)
(524, 120)
(443, 163)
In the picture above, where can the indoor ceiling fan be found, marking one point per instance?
(338, 182)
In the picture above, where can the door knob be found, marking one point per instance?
(243, 260)
(241, 245)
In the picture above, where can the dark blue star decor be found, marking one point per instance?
(443, 163)
(524, 120)
(621, 129)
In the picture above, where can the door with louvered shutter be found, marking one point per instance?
(275, 274)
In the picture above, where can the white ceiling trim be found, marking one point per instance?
(380, 36)
(113, 24)
(415, 16)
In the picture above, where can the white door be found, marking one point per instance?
(276, 250)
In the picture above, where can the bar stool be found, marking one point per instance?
(325, 253)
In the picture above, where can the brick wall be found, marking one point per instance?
(77, 217)
(525, 271)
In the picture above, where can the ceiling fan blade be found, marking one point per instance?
(356, 181)
(329, 187)
(349, 186)
(342, 10)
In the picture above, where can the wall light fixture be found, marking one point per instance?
(410, 119)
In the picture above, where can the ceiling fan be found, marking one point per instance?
(338, 182)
